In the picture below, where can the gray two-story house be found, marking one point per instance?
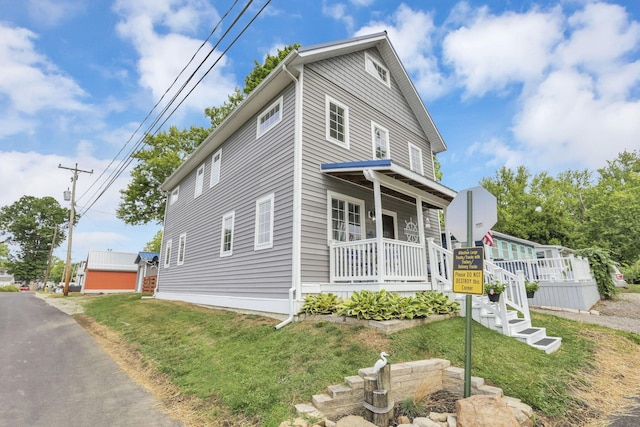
(322, 180)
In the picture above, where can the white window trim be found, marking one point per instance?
(328, 101)
(370, 59)
(266, 245)
(332, 195)
(215, 177)
(182, 248)
(411, 147)
(231, 215)
(374, 125)
(174, 195)
(199, 181)
(395, 220)
(266, 111)
(167, 257)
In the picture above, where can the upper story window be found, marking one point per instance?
(182, 247)
(345, 214)
(174, 195)
(264, 223)
(199, 180)
(269, 117)
(337, 122)
(215, 168)
(167, 253)
(380, 140)
(376, 69)
(226, 235)
(415, 159)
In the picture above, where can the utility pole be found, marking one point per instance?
(53, 243)
(72, 216)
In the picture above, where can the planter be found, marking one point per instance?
(530, 294)
(494, 297)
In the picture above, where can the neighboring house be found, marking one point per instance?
(322, 180)
(147, 271)
(6, 278)
(511, 248)
(107, 271)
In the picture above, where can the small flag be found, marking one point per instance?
(488, 238)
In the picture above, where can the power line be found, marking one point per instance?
(215, 28)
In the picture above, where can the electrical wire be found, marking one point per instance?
(126, 162)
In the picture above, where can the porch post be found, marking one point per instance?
(422, 241)
(377, 198)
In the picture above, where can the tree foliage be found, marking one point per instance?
(142, 201)
(575, 209)
(29, 225)
(155, 243)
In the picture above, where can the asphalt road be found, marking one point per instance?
(54, 374)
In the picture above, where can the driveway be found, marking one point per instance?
(54, 374)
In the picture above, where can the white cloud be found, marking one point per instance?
(411, 33)
(338, 11)
(29, 82)
(490, 52)
(50, 13)
(163, 55)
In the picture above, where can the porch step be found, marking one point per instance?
(519, 328)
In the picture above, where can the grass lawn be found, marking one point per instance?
(238, 368)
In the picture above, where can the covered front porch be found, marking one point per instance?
(382, 257)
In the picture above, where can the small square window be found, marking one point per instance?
(269, 118)
(376, 69)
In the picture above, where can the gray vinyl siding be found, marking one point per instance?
(250, 169)
(345, 80)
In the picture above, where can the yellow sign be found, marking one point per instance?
(468, 270)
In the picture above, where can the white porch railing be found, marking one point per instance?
(358, 261)
(514, 297)
(567, 269)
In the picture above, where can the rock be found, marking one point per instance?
(484, 411)
(329, 423)
(438, 417)
(403, 419)
(354, 421)
(425, 422)
(452, 420)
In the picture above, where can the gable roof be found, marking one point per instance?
(283, 75)
(111, 261)
(147, 256)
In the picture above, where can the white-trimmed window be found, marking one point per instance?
(264, 223)
(380, 141)
(167, 253)
(174, 195)
(376, 69)
(226, 235)
(346, 221)
(415, 159)
(182, 247)
(216, 160)
(337, 122)
(270, 117)
(199, 180)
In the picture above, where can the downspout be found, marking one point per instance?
(162, 241)
(297, 201)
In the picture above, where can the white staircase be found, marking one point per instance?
(509, 316)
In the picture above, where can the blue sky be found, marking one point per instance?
(553, 85)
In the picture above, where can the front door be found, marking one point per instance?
(388, 227)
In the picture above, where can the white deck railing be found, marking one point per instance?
(358, 261)
(567, 269)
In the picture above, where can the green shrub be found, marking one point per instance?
(381, 305)
(9, 288)
(601, 262)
